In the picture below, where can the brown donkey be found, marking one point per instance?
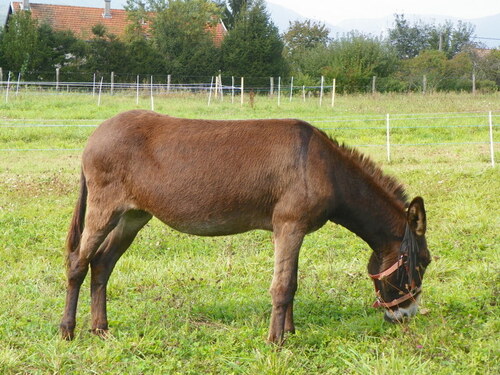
(212, 178)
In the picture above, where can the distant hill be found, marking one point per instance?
(484, 27)
(282, 16)
(488, 27)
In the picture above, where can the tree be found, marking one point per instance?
(305, 35)
(232, 10)
(431, 64)
(21, 48)
(105, 52)
(181, 36)
(458, 73)
(144, 56)
(450, 39)
(64, 51)
(139, 19)
(489, 69)
(410, 40)
(253, 48)
(36, 50)
(355, 58)
(300, 40)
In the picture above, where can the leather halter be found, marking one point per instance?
(401, 262)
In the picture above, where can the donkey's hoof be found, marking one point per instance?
(67, 333)
(103, 333)
(275, 340)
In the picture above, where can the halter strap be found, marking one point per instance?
(408, 249)
(379, 303)
(389, 271)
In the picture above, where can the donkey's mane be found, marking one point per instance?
(387, 183)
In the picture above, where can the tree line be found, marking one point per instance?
(174, 38)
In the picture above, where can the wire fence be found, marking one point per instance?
(388, 133)
(128, 84)
(215, 87)
(114, 84)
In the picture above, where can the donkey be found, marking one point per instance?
(213, 178)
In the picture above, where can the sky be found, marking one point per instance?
(336, 11)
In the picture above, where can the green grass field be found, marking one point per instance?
(194, 305)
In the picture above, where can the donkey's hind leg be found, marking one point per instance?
(98, 225)
(102, 265)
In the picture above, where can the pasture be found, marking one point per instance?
(196, 305)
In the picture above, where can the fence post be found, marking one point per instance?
(152, 97)
(169, 80)
(210, 90)
(112, 82)
(492, 150)
(242, 88)
(424, 84)
(18, 81)
(291, 89)
(271, 86)
(232, 89)
(333, 91)
(137, 91)
(321, 91)
(7, 91)
(93, 87)
(100, 91)
(388, 136)
(221, 88)
(57, 79)
(279, 91)
(215, 90)
(374, 79)
(1, 78)
(473, 83)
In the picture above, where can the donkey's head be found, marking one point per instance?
(399, 286)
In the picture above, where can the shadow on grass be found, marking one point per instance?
(313, 313)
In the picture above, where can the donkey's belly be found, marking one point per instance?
(216, 225)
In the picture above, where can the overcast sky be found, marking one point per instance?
(335, 11)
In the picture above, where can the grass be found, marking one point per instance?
(194, 305)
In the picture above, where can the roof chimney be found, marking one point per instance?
(107, 8)
(26, 4)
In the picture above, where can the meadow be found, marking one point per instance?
(181, 304)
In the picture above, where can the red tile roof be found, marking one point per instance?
(218, 31)
(80, 20)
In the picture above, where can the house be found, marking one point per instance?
(81, 20)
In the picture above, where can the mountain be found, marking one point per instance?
(488, 27)
(282, 16)
(485, 27)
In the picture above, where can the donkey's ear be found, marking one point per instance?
(416, 216)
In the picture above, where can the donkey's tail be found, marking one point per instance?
(78, 220)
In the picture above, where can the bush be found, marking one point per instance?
(486, 86)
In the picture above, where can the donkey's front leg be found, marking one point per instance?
(289, 325)
(287, 241)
